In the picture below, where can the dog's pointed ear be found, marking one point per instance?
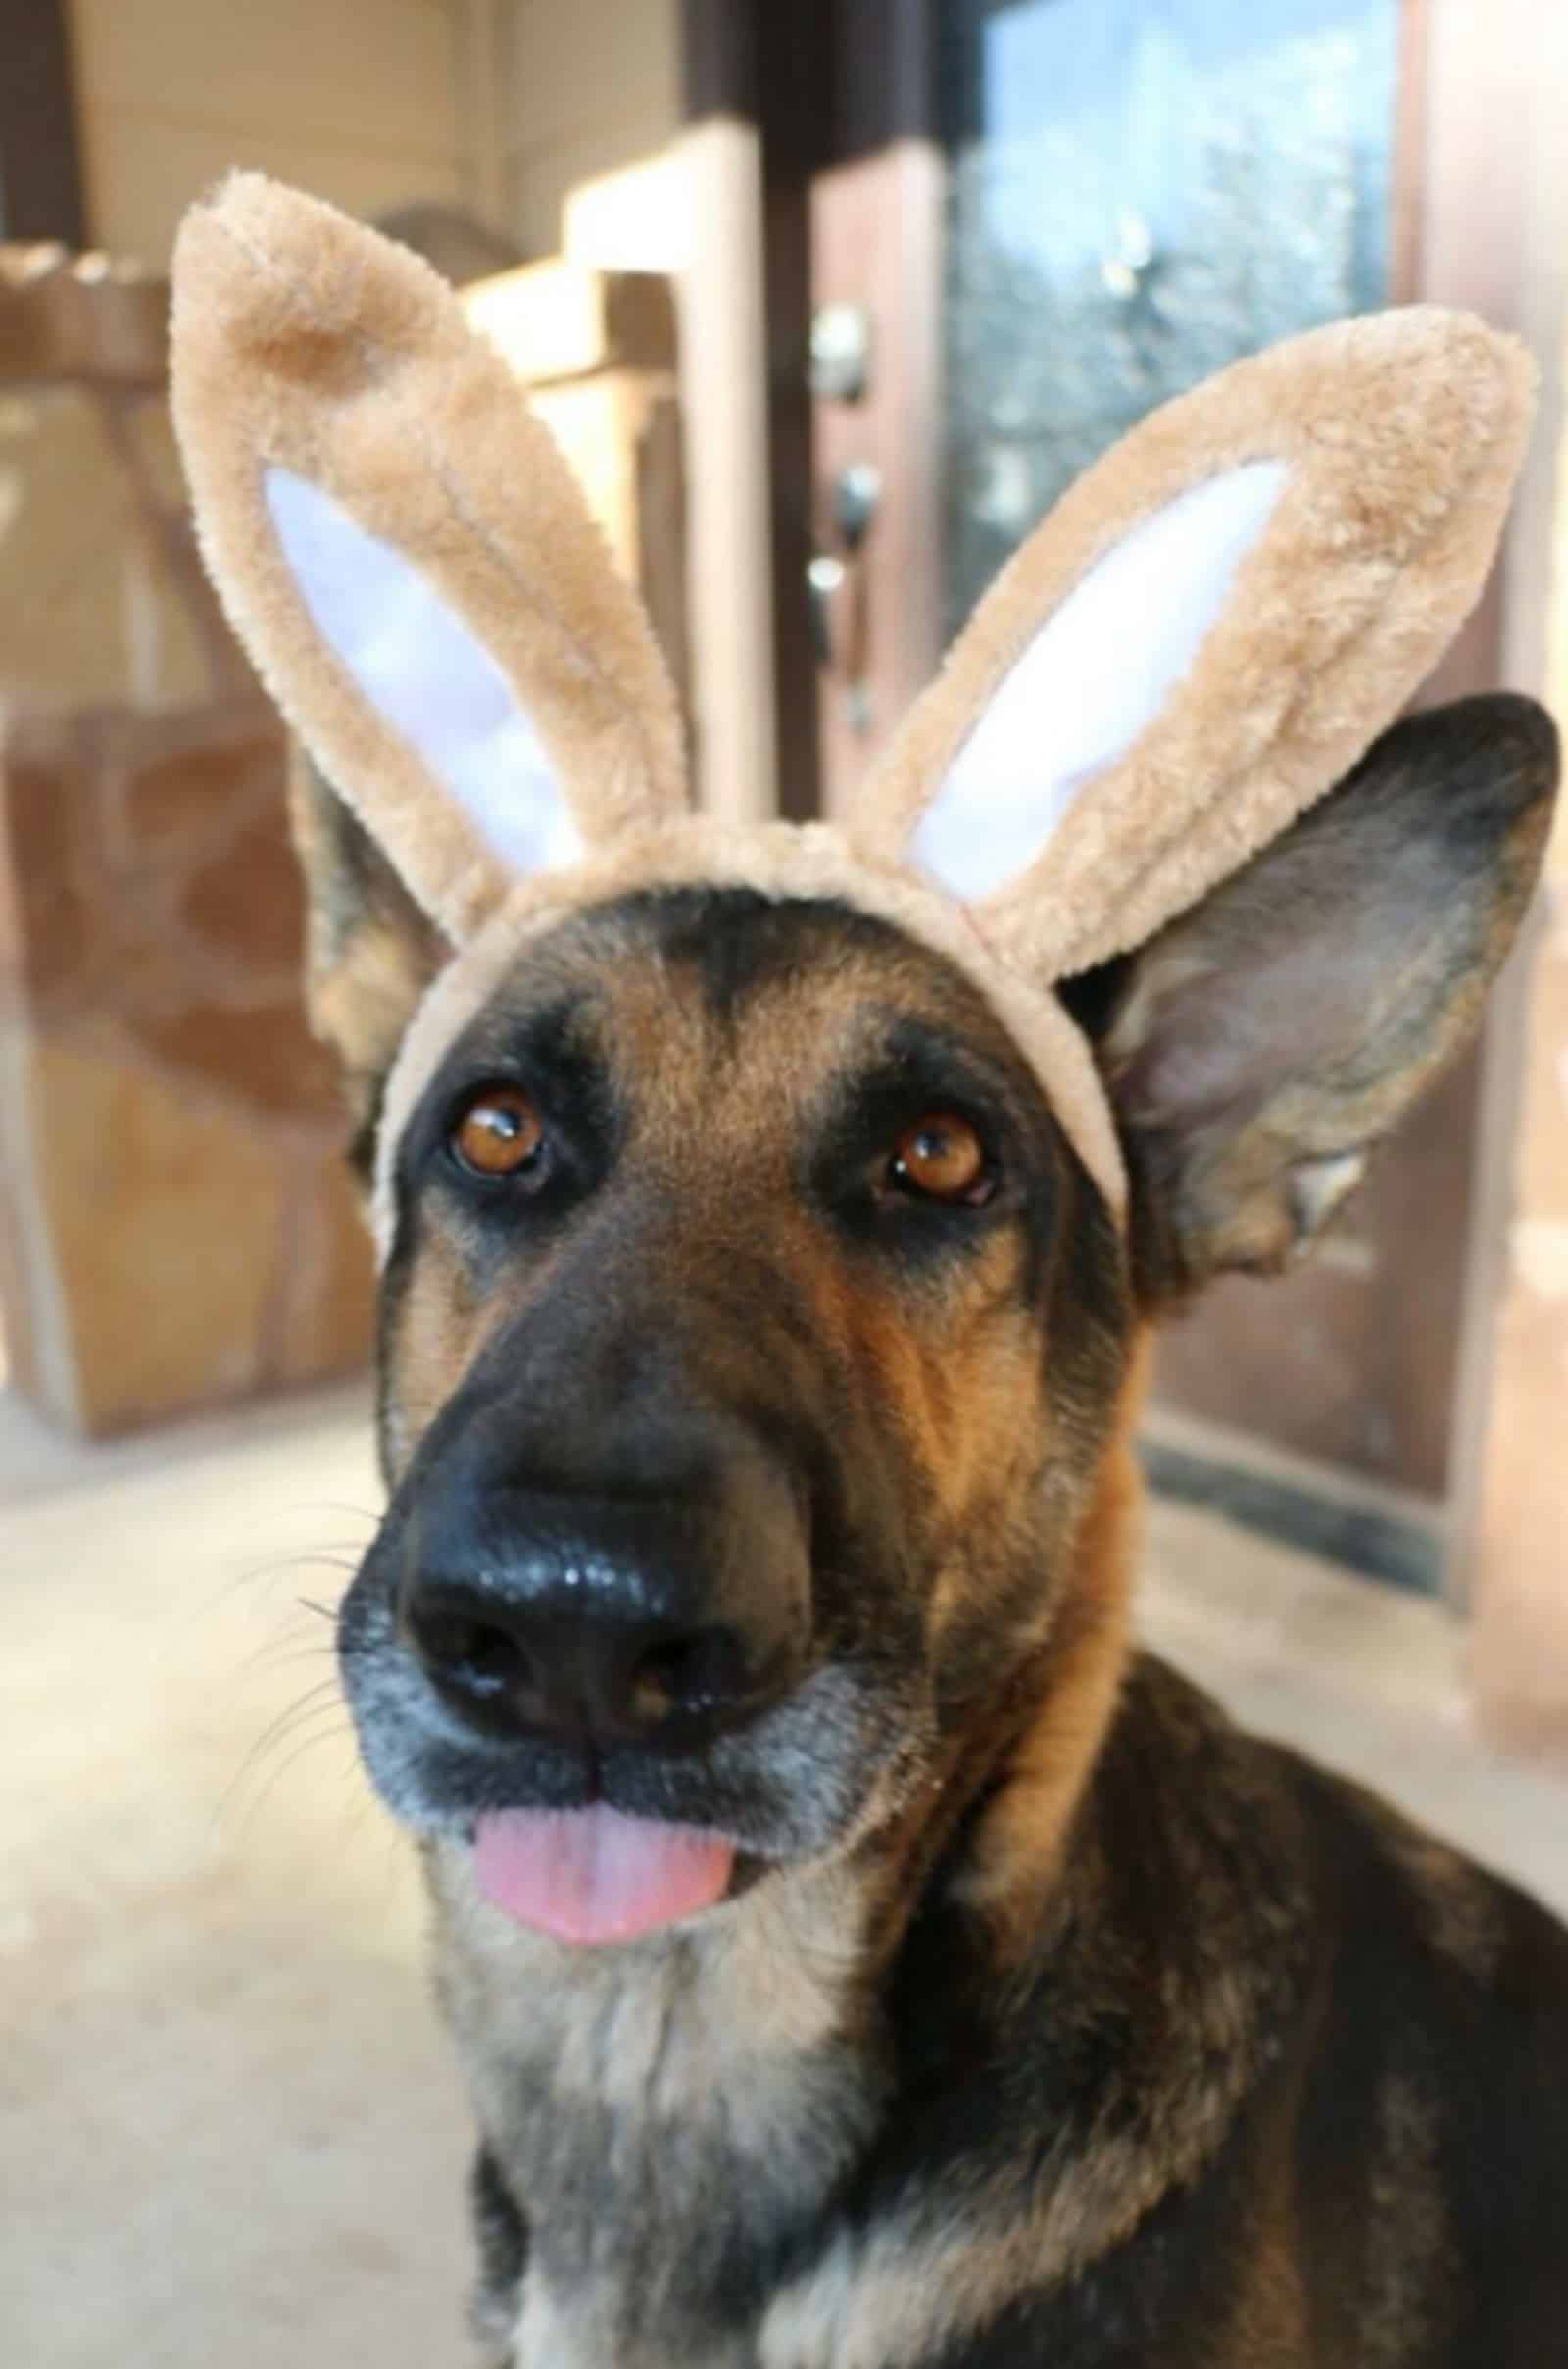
(1259, 1048)
(1206, 633)
(401, 549)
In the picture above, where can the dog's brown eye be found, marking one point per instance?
(498, 1131)
(941, 1157)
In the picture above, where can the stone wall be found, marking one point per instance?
(175, 1225)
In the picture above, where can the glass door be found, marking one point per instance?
(1138, 191)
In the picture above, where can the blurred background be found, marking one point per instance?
(825, 303)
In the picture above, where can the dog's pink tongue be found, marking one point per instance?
(593, 1875)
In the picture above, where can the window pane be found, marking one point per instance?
(1140, 190)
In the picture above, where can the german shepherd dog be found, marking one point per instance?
(861, 1957)
(758, 1369)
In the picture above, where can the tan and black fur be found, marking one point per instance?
(1061, 2023)
(742, 1485)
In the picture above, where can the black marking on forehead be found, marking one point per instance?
(738, 942)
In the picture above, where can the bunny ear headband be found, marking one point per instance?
(1203, 635)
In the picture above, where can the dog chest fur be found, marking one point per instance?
(671, 2118)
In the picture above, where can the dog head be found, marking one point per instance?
(767, 1218)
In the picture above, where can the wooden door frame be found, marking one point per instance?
(755, 85)
(778, 75)
(40, 164)
(876, 227)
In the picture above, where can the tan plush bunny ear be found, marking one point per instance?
(1206, 632)
(400, 547)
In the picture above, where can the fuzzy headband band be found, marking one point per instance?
(1203, 637)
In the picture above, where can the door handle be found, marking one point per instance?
(836, 580)
(825, 573)
(857, 493)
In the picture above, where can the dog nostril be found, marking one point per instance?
(687, 1674)
(528, 1666)
(486, 1660)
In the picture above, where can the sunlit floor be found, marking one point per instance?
(229, 2134)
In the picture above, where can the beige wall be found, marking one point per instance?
(356, 100)
(595, 161)
(590, 86)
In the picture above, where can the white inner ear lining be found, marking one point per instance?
(425, 674)
(1093, 678)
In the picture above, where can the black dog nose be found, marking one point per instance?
(531, 1658)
